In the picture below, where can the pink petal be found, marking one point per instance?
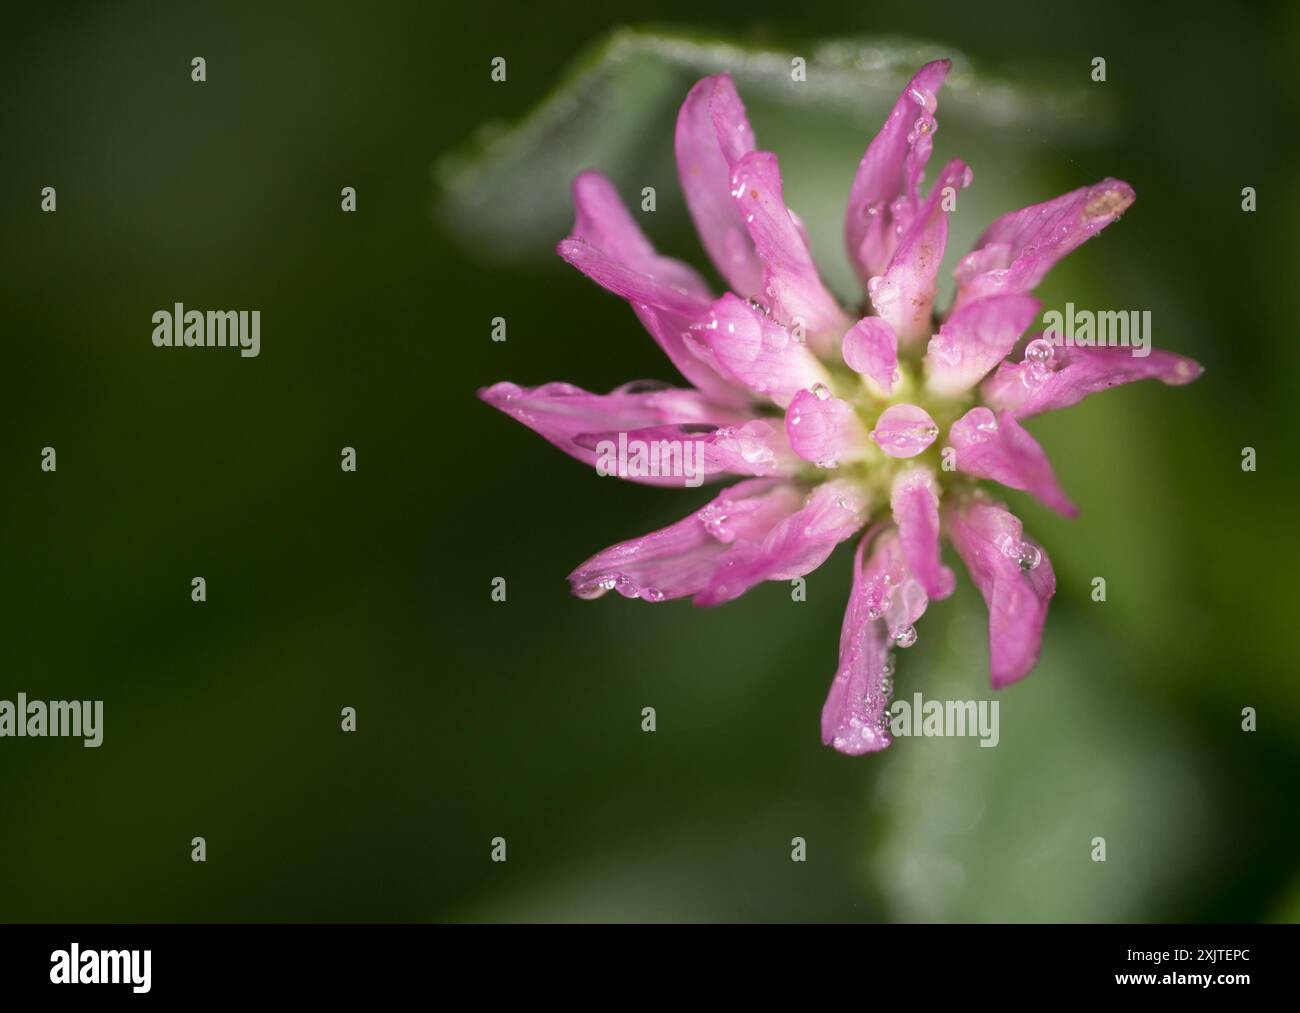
(974, 339)
(791, 286)
(758, 447)
(871, 348)
(915, 505)
(1015, 577)
(671, 333)
(602, 220)
(904, 430)
(795, 546)
(999, 448)
(873, 222)
(904, 294)
(885, 603)
(712, 135)
(824, 429)
(855, 718)
(755, 448)
(680, 560)
(1074, 372)
(560, 412)
(754, 350)
(892, 593)
(1019, 248)
(667, 295)
(629, 281)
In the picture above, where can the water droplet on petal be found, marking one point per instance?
(1039, 351)
(904, 430)
(1033, 375)
(715, 523)
(1025, 553)
(948, 350)
(596, 588)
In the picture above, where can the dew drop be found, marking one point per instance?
(595, 588)
(1025, 553)
(1035, 374)
(1039, 351)
(715, 523)
(948, 350)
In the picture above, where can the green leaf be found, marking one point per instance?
(506, 193)
(1008, 833)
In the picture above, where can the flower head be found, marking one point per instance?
(880, 421)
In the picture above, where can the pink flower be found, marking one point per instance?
(834, 423)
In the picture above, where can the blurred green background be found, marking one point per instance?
(522, 719)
